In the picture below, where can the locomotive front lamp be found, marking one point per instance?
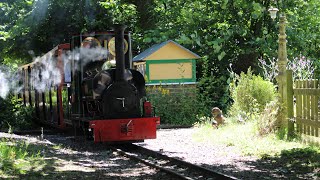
(273, 12)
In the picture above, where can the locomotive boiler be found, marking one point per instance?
(104, 100)
(116, 92)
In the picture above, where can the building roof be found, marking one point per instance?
(142, 56)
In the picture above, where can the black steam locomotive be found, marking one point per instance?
(81, 89)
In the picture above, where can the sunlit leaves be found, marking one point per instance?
(303, 28)
(221, 55)
(121, 12)
(222, 30)
(147, 40)
(257, 10)
(3, 34)
(215, 45)
(29, 2)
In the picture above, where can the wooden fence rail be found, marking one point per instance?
(306, 112)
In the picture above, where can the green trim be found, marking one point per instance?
(173, 61)
(171, 81)
(194, 70)
(147, 72)
(166, 61)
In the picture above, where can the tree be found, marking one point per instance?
(223, 32)
(30, 28)
(12, 29)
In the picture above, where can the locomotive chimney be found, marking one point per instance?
(119, 44)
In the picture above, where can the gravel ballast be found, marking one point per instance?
(85, 160)
(180, 143)
(66, 158)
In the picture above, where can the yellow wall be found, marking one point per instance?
(171, 51)
(170, 71)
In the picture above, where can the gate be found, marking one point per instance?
(305, 107)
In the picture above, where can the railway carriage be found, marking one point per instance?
(74, 85)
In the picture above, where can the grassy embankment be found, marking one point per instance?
(270, 148)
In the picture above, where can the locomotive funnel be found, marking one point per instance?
(119, 44)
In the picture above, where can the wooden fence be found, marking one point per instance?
(306, 104)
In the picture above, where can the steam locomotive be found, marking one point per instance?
(74, 85)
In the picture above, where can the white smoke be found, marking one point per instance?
(39, 10)
(45, 71)
(4, 85)
(87, 55)
(8, 81)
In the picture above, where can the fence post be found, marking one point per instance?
(290, 110)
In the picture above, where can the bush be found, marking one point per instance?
(213, 92)
(180, 108)
(268, 120)
(14, 115)
(302, 67)
(250, 94)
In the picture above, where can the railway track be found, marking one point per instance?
(175, 167)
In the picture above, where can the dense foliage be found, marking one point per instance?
(222, 32)
(14, 115)
(251, 94)
(243, 32)
(178, 107)
(32, 27)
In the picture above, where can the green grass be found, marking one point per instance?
(290, 156)
(18, 158)
(245, 138)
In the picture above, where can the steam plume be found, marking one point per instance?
(45, 72)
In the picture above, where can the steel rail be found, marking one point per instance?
(173, 173)
(130, 149)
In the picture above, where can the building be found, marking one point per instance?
(167, 63)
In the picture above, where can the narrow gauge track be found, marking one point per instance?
(175, 167)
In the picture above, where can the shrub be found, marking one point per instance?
(317, 69)
(302, 67)
(14, 115)
(269, 69)
(213, 92)
(250, 94)
(268, 121)
(179, 108)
